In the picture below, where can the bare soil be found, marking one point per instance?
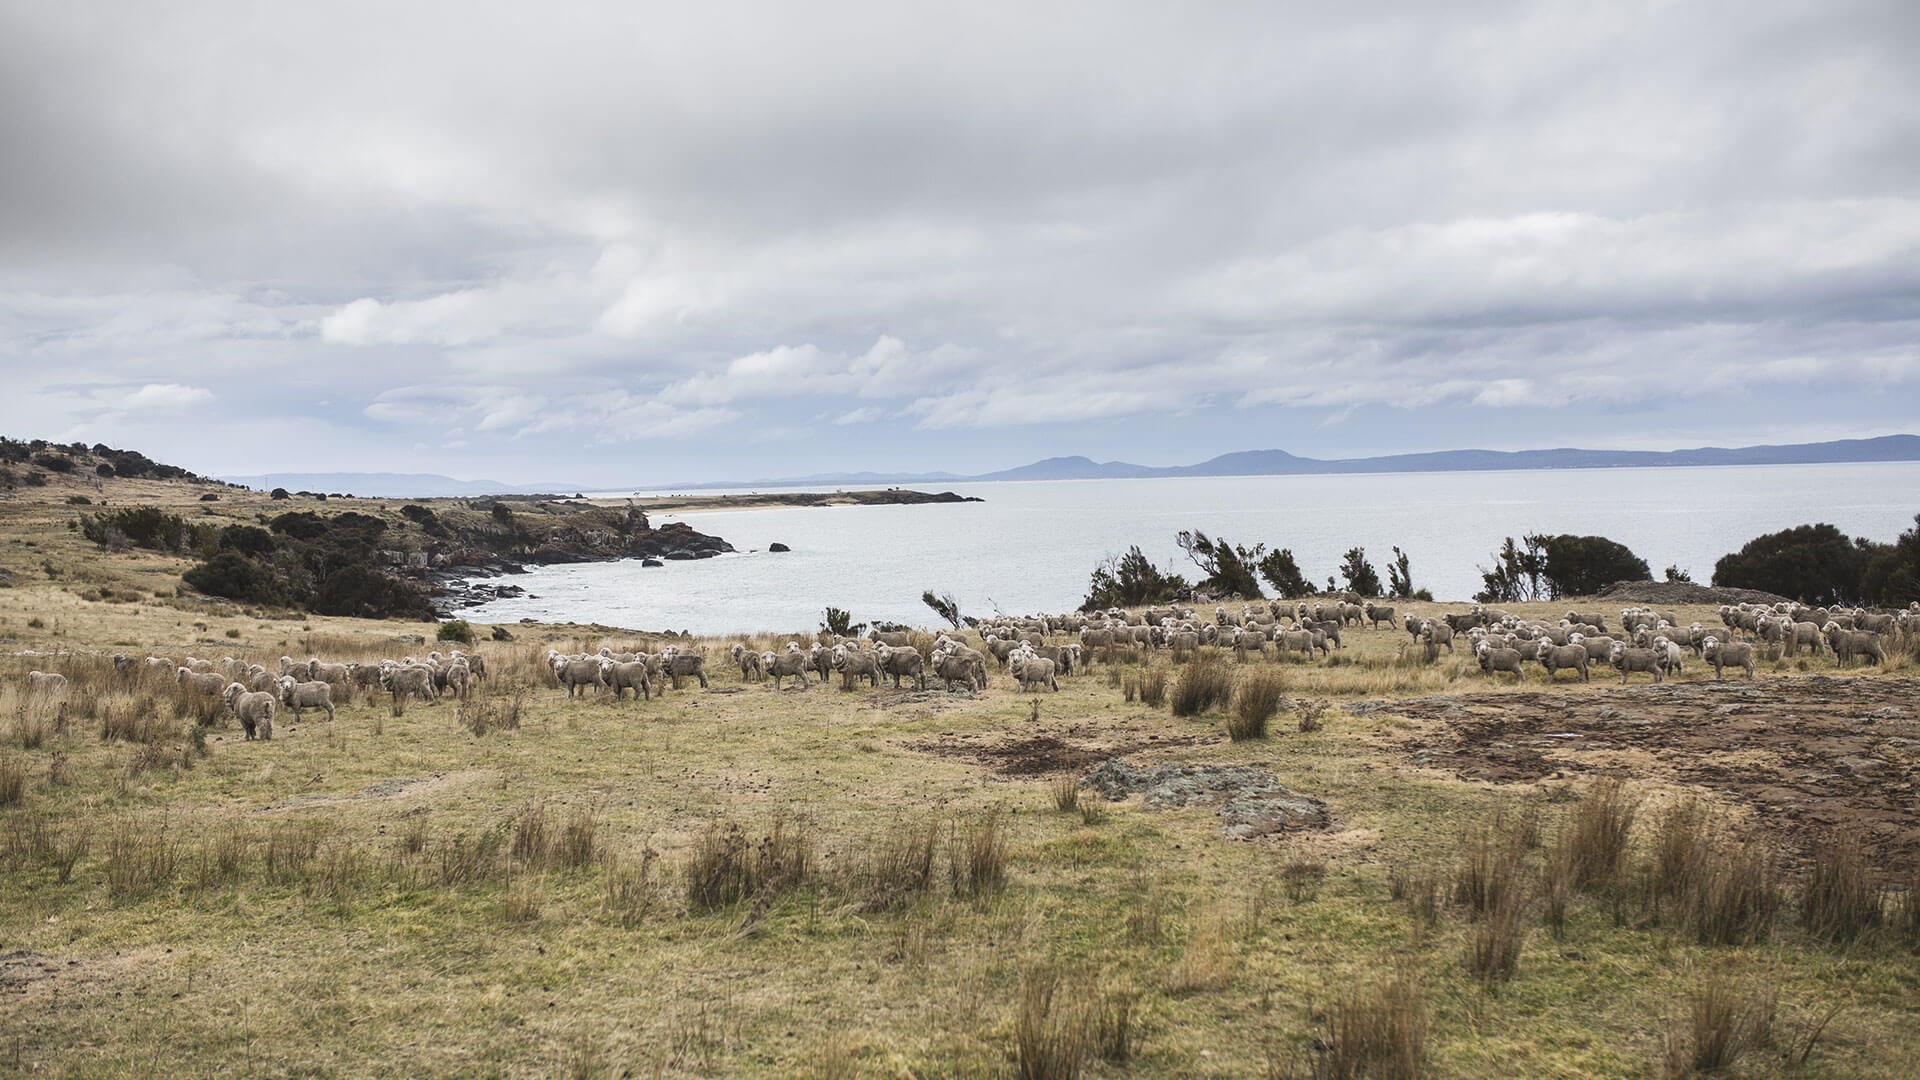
(1803, 753)
(1051, 750)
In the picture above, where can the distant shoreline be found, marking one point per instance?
(697, 504)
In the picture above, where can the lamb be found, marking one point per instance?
(305, 695)
(253, 710)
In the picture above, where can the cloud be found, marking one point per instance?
(1162, 236)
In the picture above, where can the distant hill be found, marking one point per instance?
(1239, 463)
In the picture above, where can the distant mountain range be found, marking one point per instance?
(1242, 463)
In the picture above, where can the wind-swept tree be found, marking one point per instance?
(1229, 568)
(1518, 572)
(1283, 573)
(1130, 580)
(1361, 577)
(946, 605)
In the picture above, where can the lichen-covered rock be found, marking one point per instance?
(1252, 802)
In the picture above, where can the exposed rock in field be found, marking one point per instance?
(1681, 592)
(1252, 802)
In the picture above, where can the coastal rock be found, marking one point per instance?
(777, 546)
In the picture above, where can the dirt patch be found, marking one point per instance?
(30, 974)
(1805, 753)
(1049, 750)
(411, 787)
(1253, 802)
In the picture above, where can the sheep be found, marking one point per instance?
(587, 671)
(1435, 634)
(790, 664)
(204, 682)
(631, 675)
(1669, 655)
(751, 669)
(899, 639)
(457, 678)
(364, 676)
(48, 683)
(899, 662)
(1625, 659)
(403, 680)
(1033, 672)
(253, 710)
(958, 666)
(321, 671)
(1725, 654)
(854, 664)
(1377, 614)
(261, 681)
(1848, 644)
(1494, 659)
(1555, 657)
(676, 665)
(306, 695)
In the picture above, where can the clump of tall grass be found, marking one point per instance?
(1601, 824)
(977, 849)
(1377, 1032)
(1205, 683)
(1049, 1037)
(13, 780)
(727, 867)
(1256, 698)
(140, 857)
(1840, 901)
(1720, 1023)
(633, 887)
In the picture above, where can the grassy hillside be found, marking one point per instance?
(1536, 880)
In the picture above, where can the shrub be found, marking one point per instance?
(1815, 564)
(1129, 580)
(1360, 575)
(1205, 683)
(58, 463)
(1153, 686)
(457, 630)
(1256, 699)
(79, 500)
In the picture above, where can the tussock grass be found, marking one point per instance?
(1066, 793)
(1601, 825)
(1205, 683)
(1112, 1032)
(140, 857)
(13, 780)
(1419, 889)
(1153, 685)
(727, 867)
(1734, 894)
(1049, 1036)
(977, 854)
(1377, 1032)
(1257, 696)
(900, 864)
(1207, 962)
(1720, 1023)
(633, 888)
(1839, 902)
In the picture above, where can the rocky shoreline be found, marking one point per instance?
(466, 578)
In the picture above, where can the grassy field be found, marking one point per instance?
(874, 883)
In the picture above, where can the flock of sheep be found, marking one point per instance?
(1647, 642)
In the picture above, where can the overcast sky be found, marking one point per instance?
(626, 244)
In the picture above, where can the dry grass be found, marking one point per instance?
(1721, 1022)
(1839, 902)
(1205, 683)
(1049, 1036)
(900, 864)
(1257, 697)
(633, 888)
(1066, 793)
(1153, 686)
(1733, 895)
(1311, 714)
(977, 854)
(1375, 1033)
(13, 780)
(1601, 825)
(726, 867)
(141, 857)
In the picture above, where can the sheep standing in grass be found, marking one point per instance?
(305, 695)
(1494, 659)
(203, 682)
(253, 710)
(1626, 659)
(790, 664)
(46, 683)
(1726, 654)
(631, 675)
(1556, 657)
(751, 669)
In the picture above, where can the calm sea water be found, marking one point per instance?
(1030, 547)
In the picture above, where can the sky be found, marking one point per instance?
(629, 244)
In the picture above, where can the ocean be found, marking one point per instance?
(1031, 547)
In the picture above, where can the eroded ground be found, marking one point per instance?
(1802, 753)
